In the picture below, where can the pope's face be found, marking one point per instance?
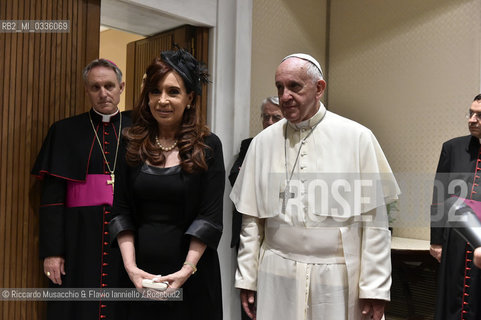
(103, 89)
(474, 121)
(298, 94)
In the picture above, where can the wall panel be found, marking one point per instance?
(279, 28)
(41, 83)
(409, 74)
(113, 47)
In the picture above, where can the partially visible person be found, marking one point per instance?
(169, 196)
(270, 114)
(303, 254)
(270, 111)
(78, 165)
(458, 173)
(477, 257)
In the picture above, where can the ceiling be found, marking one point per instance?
(136, 19)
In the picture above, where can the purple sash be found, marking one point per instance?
(475, 205)
(94, 191)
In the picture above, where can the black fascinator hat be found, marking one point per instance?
(192, 71)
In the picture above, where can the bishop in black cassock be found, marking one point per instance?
(459, 174)
(77, 164)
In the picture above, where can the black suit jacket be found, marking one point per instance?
(457, 161)
(459, 281)
(234, 172)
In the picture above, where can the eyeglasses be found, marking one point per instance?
(273, 117)
(470, 114)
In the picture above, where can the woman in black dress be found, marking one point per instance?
(169, 194)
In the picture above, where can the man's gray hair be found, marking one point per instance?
(274, 100)
(102, 63)
(313, 72)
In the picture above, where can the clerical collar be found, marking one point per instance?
(309, 123)
(106, 117)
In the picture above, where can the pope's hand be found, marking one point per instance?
(372, 309)
(477, 257)
(248, 302)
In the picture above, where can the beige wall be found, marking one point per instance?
(409, 74)
(113, 46)
(279, 28)
(407, 69)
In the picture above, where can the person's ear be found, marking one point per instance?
(122, 86)
(191, 97)
(320, 88)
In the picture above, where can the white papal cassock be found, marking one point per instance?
(315, 254)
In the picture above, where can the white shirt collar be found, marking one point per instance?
(106, 117)
(309, 123)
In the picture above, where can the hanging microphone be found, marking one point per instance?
(463, 220)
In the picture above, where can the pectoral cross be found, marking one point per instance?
(111, 181)
(285, 196)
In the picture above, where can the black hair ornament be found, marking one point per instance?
(192, 71)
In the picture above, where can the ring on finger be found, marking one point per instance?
(48, 273)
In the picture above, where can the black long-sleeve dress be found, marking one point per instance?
(165, 207)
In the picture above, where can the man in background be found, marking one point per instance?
(270, 114)
(458, 173)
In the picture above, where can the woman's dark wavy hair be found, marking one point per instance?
(141, 135)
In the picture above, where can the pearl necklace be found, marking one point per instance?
(157, 142)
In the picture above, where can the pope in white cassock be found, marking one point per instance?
(313, 190)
